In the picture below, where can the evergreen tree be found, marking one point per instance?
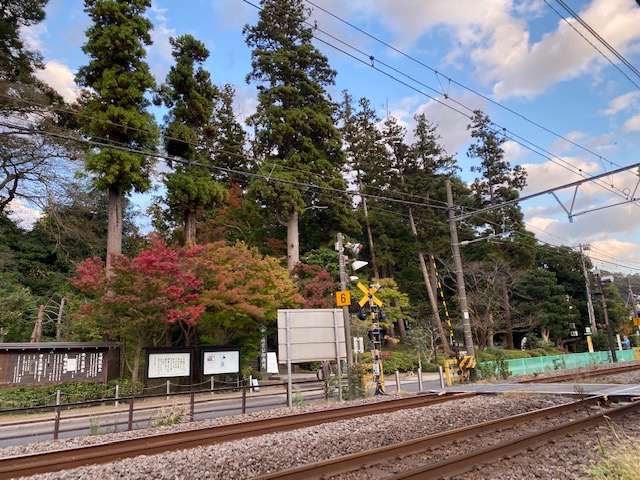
(228, 147)
(499, 183)
(116, 113)
(190, 96)
(296, 139)
(366, 156)
(17, 63)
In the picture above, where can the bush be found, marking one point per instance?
(494, 369)
(401, 361)
(18, 397)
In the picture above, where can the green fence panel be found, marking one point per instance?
(528, 366)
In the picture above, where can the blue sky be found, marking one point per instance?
(539, 79)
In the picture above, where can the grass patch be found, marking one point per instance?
(620, 463)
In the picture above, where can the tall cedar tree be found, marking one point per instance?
(367, 157)
(17, 63)
(499, 183)
(190, 97)
(296, 138)
(228, 147)
(116, 113)
(421, 169)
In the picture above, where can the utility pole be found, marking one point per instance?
(345, 309)
(587, 283)
(612, 345)
(457, 261)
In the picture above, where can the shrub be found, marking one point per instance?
(401, 361)
(17, 397)
(494, 369)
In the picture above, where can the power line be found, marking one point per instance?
(454, 82)
(599, 38)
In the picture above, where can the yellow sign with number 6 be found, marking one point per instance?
(343, 298)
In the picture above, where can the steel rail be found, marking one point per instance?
(357, 461)
(464, 463)
(56, 460)
(585, 374)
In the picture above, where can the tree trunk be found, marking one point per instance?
(372, 249)
(507, 315)
(36, 334)
(136, 359)
(293, 241)
(490, 342)
(434, 305)
(114, 226)
(545, 332)
(432, 298)
(59, 320)
(402, 330)
(189, 227)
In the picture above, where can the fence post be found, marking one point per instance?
(420, 379)
(211, 384)
(117, 394)
(244, 399)
(130, 424)
(56, 423)
(397, 381)
(193, 401)
(168, 388)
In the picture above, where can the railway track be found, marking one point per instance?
(388, 460)
(567, 377)
(56, 460)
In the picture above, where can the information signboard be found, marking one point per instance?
(168, 365)
(215, 362)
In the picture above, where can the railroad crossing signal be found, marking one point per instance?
(343, 298)
(369, 295)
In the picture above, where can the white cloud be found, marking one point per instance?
(24, 216)
(633, 124)
(495, 36)
(60, 77)
(623, 102)
(159, 54)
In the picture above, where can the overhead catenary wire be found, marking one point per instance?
(599, 38)
(452, 81)
(498, 130)
(358, 193)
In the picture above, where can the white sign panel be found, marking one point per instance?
(217, 362)
(311, 334)
(166, 365)
(272, 363)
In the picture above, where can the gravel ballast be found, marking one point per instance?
(244, 459)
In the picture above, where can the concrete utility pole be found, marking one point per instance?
(345, 309)
(462, 293)
(612, 345)
(587, 283)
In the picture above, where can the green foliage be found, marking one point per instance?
(401, 361)
(17, 397)
(298, 399)
(296, 140)
(356, 379)
(120, 78)
(497, 368)
(190, 96)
